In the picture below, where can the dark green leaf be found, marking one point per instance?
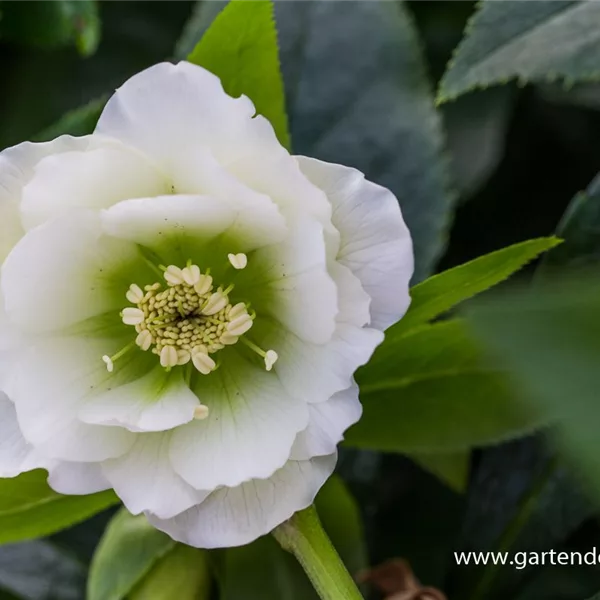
(29, 508)
(430, 391)
(50, 24)
(182, 574)
(476, 127)
(80, 121)
(550, 339)
(241, 48)
(440, 293)
(580, 229)
(262, 571)
(367, 105)
(129, 550)
(531, 41)
(38, 570)
(451, 467)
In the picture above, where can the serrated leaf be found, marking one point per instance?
(440, 293)
(367, 105)
(29, 508)
(431, 391)
(531, 41)
(580, 229)
(127, 552)
(452, 468)
(240, 47)
(549, 338)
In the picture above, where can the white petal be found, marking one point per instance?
(145, 480)
(315, 372)
(168, 110)
(296, 286)
(258, 221)
(16, 169)
(239, 515)
(77, 478)
(103, 175)
(169, 224)
(248, 433)
(50, 382)
(16, 455)
(375, 242)
(156, 402)
(353, 301)
(60, 273)
(328, 421)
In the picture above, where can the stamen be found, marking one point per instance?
(144, 339)
(132, 316)
(238, 261)
(183, 357)
(228, 339)
(270, 359)
(168, 357)
(110, 367)
(201, 412)
(110, 361)
(184, 321)
(173, 275)
(134, 294)
(237, 310)
(202, 361)
(270, 356)
(240, 325)
(191, 274)
(218, 301)
(203, 285)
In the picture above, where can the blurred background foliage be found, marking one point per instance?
(359, 90)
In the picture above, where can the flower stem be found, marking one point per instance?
(303, 536)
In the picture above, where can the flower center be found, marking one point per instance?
(187, 320)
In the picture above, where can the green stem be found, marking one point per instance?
(303, 536)
(515, 526)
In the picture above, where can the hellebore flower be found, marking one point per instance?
(184, 305)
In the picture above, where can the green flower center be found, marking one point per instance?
(186, 320)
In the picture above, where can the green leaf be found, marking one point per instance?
(241, 48)
(367, 105)
(341, 519)
(183, 574)
(51, 24)
(29, 508)
(80, 121)
(549, 337)
(531, 41)
(440, 293)
(450, 467)
(580, 229)
(430, 391)
(128, 551)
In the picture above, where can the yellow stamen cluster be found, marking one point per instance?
(187, 320)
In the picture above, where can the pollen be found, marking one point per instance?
(185, 319)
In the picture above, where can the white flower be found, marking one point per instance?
(184, 305)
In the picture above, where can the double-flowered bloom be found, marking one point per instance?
(183, 306)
